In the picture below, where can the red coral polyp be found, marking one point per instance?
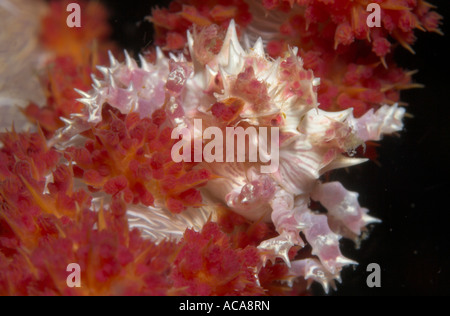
(207, 265)
(130, 157)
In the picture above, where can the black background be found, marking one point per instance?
(410, 192)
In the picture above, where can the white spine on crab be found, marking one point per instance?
(112, 81)
(104, 70)
(112, 60)
(85, 101)
(82, 93)
(343, 206)
(312, 270)
(66, 121)
(144, 64)
(230, 38)
(235, 62)
(277, 247)
(372, 125)
(96, 83)
(271, 75)
(177, 58)
(210, 75)
(190, 43)
(127, 87)
(286, 220)
(258, 48)
(324, 242)
(173, 57)
(225, 81)
(160, 58)
(198, 68)
(131, 64)
(342, 162)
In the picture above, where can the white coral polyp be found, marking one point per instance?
(312, 141)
